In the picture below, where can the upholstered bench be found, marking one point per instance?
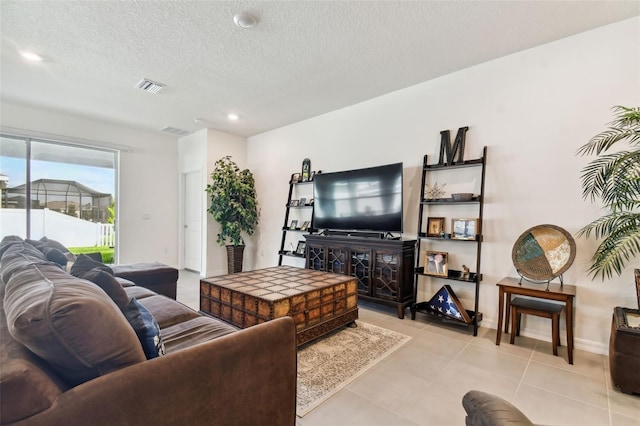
(155, 276)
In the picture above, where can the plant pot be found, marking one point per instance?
(234, 259)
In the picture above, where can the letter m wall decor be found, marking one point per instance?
(451, 151)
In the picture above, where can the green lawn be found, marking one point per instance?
(107, 252)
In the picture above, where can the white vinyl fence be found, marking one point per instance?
(68, 230)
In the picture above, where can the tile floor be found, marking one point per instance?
(423, 382)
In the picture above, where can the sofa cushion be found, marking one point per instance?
(7, 242)
(146, 328)
(70, 323)
(84, 264)
(19, 256)
(125, 282)
(167, 311)
(198, 330)
(139, 292)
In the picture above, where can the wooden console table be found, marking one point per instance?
(514, 286)
(383, 268)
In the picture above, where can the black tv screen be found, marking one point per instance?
(359, 200)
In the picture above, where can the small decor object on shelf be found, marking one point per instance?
(311, 176)
(465, 274)
(294, 203)
(437, 263)
(295, 178)
(463, 229)
(291, 249)
(446, 303)
(435, 226)
(303, 201)
(434, 192)
(306, 170)
(462, 196)
(305, 225)
(294, 224)
(311, 202)
(450, 151)
(301, 247)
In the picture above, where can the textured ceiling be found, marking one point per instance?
(301, 60)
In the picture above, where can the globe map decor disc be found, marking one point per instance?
(543, 252)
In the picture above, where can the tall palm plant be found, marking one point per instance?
(614, 178)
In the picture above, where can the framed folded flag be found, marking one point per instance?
(445, 302)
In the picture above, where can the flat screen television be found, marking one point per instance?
(359, 200)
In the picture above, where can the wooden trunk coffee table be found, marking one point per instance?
(319, 302)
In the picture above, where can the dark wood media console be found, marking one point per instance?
(383, 267)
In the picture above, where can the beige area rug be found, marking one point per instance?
(331, 362)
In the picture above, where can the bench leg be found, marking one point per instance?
(514, 325)
(555, 333)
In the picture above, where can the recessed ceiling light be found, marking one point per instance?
(31, 56)
(245, 20)
(232, 117)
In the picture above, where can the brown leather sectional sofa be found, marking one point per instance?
(69, 356)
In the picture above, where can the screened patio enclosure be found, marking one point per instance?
(64, 196)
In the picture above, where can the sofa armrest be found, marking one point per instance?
(245, 378)
(484, 409)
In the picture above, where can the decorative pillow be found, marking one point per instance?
(53, 244)
(55, 256)
(70, 323)
(146, 328)
(84, 264)
(109, 284)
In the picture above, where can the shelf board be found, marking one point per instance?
(447, 237)
(457, 165)
(290, 254)
(452, 275)
(423, 307)
(474, 200)
(300, 207)
(296, 229)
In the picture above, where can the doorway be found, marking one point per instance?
(192, 227)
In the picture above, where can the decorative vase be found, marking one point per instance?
(234, 259)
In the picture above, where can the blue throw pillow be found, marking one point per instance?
(146, 328)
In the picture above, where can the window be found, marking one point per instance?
(62, 191)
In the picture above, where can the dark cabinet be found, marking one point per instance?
(383, 268)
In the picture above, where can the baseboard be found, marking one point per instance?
(582, 344)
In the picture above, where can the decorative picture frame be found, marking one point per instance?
(294, 203)
(303, 201)
(435, 226)
(436, 263)
(305, 225)
(295, 178)
(294, 224)
(302, 245)
(464, 228)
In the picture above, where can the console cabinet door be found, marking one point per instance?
(361, 269)
(316, 259)
(385, 275)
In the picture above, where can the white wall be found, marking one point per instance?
(532, 109)
(148, 178)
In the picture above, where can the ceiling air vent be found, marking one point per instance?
(174, 131)
(149, 85)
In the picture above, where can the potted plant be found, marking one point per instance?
(233, 204)
(614, 178)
